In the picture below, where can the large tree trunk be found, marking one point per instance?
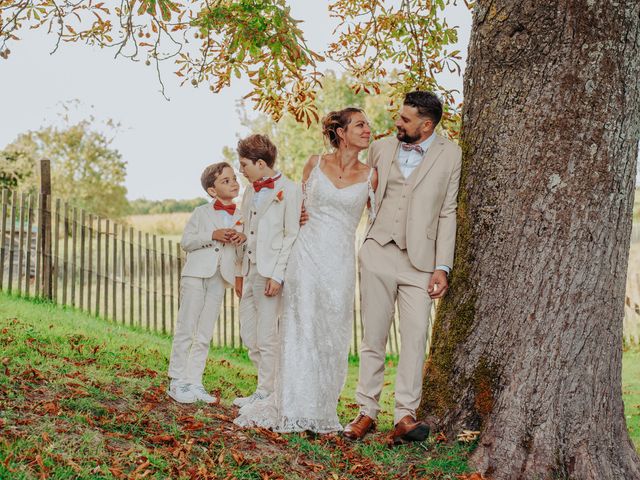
(528, 345)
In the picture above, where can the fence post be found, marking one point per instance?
(21, 251)
(131, 276)
(27, 284)
(74, 254)
(83, 240)
(12, 234)
(3, 233)
(162, 286)
(38, 258)
(45, 238)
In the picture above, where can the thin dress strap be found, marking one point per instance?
(372, 197)
(305, 184)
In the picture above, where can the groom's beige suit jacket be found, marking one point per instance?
(430, 206)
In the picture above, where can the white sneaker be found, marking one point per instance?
(242, 401)
(201, 394)
(181, 392)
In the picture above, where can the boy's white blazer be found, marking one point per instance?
(278, 222)
(204, 255)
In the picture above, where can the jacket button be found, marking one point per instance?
(249, 251)
(217, 249)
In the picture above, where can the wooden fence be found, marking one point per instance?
(54, 250)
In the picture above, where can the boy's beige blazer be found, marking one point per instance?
(204, 254)
(278, 223)
(431, 215)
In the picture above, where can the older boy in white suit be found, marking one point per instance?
(271, 209)
(210, 240)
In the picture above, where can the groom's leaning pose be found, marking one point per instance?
(406, 257)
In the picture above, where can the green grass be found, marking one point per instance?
(81, 397)
(631, 392)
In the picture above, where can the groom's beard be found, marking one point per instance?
(403, 136)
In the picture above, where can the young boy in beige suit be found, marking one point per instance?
(210, 240)
(271, 209)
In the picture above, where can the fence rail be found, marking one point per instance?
(54, 250)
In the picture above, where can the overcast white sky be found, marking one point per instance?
(165, 143)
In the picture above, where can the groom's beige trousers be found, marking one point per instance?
(387, 275)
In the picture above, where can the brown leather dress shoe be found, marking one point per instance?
(359, 427)
(409, 430)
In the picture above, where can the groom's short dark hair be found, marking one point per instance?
(427, 103)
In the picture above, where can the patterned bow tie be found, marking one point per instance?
(268, 183)
(407, 147)
(230, 209)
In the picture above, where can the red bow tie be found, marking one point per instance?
(410, 146)
(230, 209)
(268, 183)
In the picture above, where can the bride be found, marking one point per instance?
(319, 285)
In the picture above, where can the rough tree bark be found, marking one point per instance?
(528, 344)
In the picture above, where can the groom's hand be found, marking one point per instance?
(272, 288)
(438, 285)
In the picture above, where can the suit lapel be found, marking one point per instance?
(247, 202)
(236, 216)
(387, 157)
(215, 219)
(429, 159)
(269, 197)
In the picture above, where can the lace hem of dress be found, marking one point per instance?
(250, 416)
(289, 425)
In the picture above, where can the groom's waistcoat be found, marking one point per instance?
(418, 213)
(391, 220)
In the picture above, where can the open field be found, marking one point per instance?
(169, 225)
(84, 398)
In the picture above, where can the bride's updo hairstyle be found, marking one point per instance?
(335, 120)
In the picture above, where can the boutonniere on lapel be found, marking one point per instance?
(280, 196)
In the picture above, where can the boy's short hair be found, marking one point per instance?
(258, 147)
(211, 173)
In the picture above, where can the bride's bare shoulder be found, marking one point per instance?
(309, 166)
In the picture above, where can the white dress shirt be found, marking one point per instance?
(225, 217)
(408, 160)
(258, 197)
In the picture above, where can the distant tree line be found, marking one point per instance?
(170, 205)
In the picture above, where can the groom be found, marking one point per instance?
(406, 257)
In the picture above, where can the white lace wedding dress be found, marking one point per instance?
(315, 327)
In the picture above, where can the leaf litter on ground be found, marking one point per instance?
(75, 406)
